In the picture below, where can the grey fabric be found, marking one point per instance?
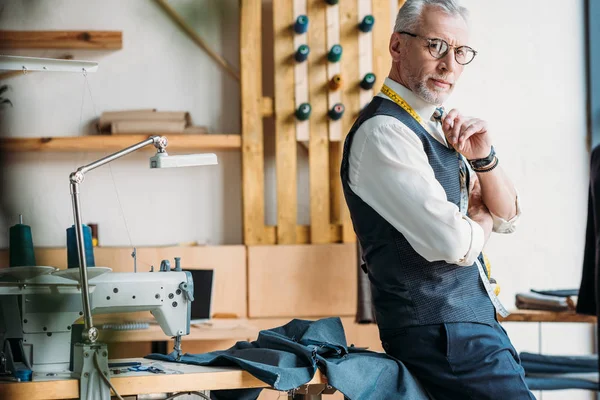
(407, 289)
(288, 357)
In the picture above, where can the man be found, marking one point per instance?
(406, 180)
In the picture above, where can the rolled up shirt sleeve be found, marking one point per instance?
(507, 226)
(390, 171)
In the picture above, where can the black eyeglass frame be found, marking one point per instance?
(449, 46)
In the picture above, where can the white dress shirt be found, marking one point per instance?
(390, 171)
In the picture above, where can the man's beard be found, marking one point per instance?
(425, 93)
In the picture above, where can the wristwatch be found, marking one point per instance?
(480, 163)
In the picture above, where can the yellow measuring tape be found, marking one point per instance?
(389, 92)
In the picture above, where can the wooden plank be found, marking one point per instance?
(318, 153)
(349, 36)
(381, 38)
(310, 280)
(333, 97)
(546, 316)
(95, 40)
(285, 131)
(252, 126)
(365, 50)
(267, 107)
(117, 142)
(228, 262)
(335, 182)
(195, 378)
(301, 73)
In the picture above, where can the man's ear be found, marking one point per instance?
(395, 46)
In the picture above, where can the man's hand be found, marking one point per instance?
(469, 136)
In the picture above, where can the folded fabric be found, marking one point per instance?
(558, 292)
(585, 376)
(539, 307)
(538, 363)
(540, 301)
(289, 356)
(535, 383)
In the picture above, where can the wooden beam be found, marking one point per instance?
(318, 153)
(197, 39)
(381, 39)
(349, 36)
(267, 107)
(252, 126)
(96, 40)
(285, 126)
(117, 142)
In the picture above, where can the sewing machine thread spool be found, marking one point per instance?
(367, 24)
(301, 25)
(303, 111)
(335, 54)
(302, 53)
(72, 254)
(336, 111)
(331, 2)
(21, 245)
(94, 228)
(335, 83)
(368, 81)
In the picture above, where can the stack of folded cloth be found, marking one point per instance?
(544, 372)
(548, 300)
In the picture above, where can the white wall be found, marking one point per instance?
(528, 81)
(158, 67)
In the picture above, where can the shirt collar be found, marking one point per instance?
(421, 107)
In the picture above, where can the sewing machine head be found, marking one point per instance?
(37, 314)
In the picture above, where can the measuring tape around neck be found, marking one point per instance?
(395, 97)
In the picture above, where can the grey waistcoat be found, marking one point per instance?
(407, 289)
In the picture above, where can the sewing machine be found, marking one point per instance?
(39, 305)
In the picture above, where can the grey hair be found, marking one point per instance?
(410, 13)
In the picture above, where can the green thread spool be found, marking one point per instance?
(302, 53)
(301, 25)
(368, 81)
(331, 2)
(21, 245)
(303, 111)
(335, 54)
(367, 24)
(336, 111)
(72, 252)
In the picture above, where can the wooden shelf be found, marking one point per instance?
(103, 143)
(546, 316)
(98, 40)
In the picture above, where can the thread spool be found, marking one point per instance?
(72, 254)
(367, 24)
(303, 111)
(336, 111)
(336, 82)
(368, 81)
(21, 253)
(301, 25)
(331, 2)
(302, 53)
(94, 228)
(335, 54)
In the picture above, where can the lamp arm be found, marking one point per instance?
(90, 333)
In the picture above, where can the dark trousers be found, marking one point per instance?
(461, 361)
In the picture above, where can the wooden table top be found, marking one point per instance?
(546, 316)
(192, 378)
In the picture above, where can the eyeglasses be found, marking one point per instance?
(438, 48)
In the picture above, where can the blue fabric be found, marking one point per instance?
(536, 383)
(539, 363)
(288, 357)
(407, 289)
(461, 361)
